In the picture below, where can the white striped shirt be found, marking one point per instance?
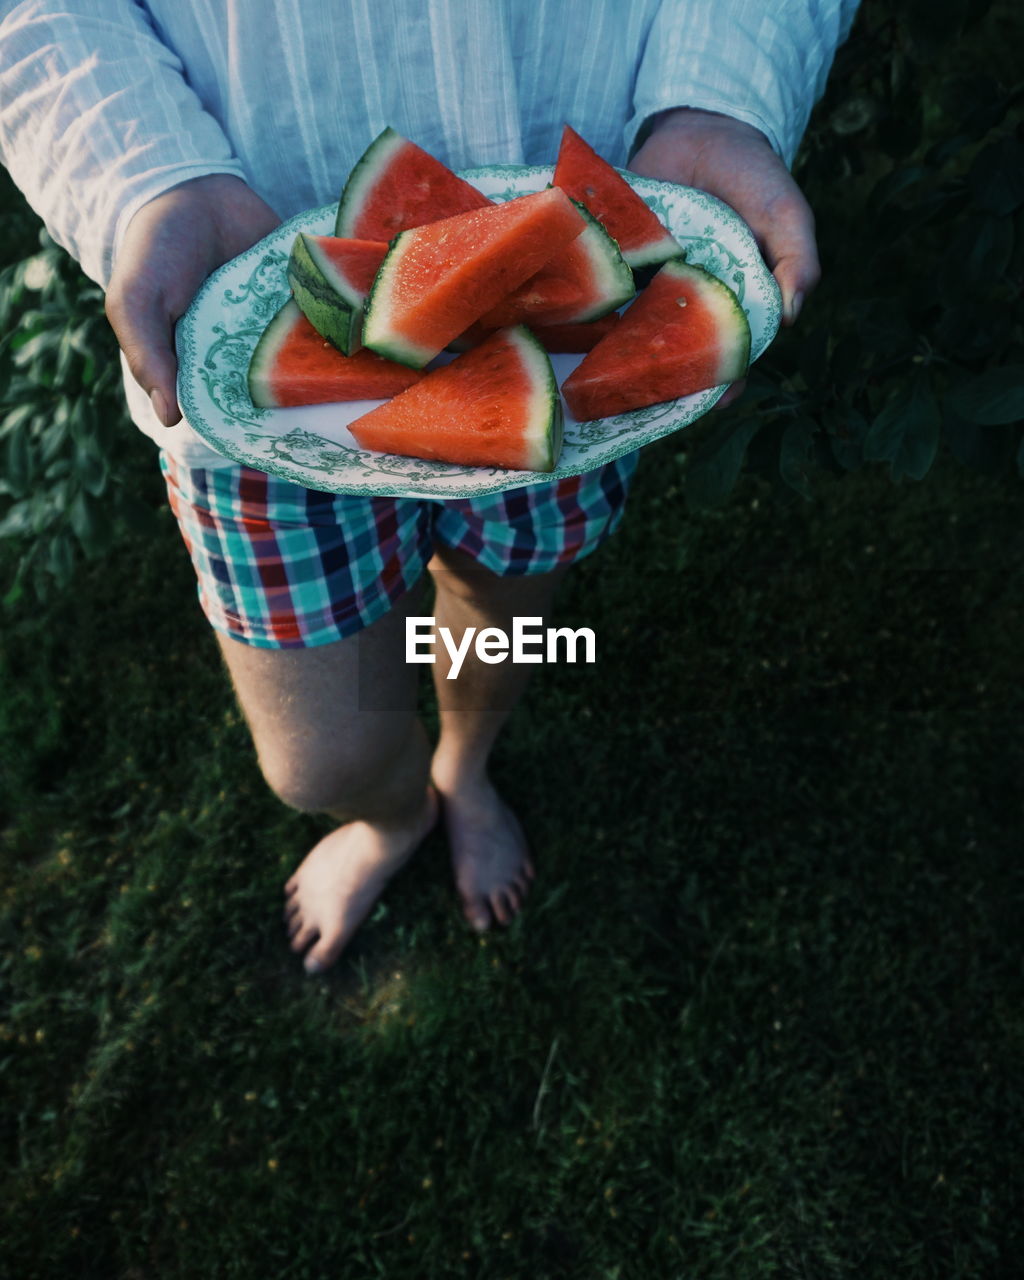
(104, 104)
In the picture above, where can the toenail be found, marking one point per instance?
(314, 966)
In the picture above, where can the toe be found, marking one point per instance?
(500, 906)
(324, 954)
(303, 935)
(513, 897)
(478, 915)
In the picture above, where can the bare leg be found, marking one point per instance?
(490, 859)
(335, 730)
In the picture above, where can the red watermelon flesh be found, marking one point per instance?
(495, 406)
(587, 279)
(575, 337)
(395, 186)
(590, 179)
(330, 278)
(686, 332)
(293, 365)
(355, 262)
(552, 337)
(438, 279)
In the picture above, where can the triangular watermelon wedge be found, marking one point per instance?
(686, 332)
(293, 365)
(586, 280)
(395, 186)
(330, 278)
(553, 337)
(438, 279)
(496, 406)
(590, 179)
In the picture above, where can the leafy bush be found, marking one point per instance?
(62, 420)
(914, 163)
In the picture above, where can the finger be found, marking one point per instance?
(145, 333)
(734, 392)
(784, 229)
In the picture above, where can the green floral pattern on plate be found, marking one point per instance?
(311, 445)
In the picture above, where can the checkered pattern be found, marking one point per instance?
(281, 566)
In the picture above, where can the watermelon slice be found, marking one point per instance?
(587, 280)
(496, 406)
(575, 337)
(330, 279)
(552, 337)
(396, 186)
(438, 279)
(591, 180)
(686, 332)
(293, 365)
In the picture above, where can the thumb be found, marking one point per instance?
(145, 332)
(785, 232)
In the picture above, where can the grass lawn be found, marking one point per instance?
(761, 1017)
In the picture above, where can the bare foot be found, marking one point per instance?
(341, 878)
(490, 858)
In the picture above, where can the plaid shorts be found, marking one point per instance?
(281, 566)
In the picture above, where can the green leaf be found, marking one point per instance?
(91, 470)
(17, 418)
(883, 327)
(134, 513)
(53, 437)
(855, 114)
(989, 450)
(83, 421)
(887, 188)
(906, 432)
(979, 254)
(61, 558)
(19, 464)
(899, 131)
(90, 521)
(18, 520)
(797, 453)
(812, 360)
(714, 467)
(991, 398)
(847, 429)
(997, 177)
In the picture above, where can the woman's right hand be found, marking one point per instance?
(170, 246)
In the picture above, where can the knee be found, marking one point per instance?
(334, 780)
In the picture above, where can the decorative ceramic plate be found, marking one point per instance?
(312, 445)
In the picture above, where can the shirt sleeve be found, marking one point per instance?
(764, 64)
(96, 119)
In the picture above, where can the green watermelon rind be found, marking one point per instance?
(325, 298)
(721, 300)
(364, 178)
(546, 417)
(731, 323)
(653, 252)
(376, 316)
(612, 276)
(658, 246)
(266, 352)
